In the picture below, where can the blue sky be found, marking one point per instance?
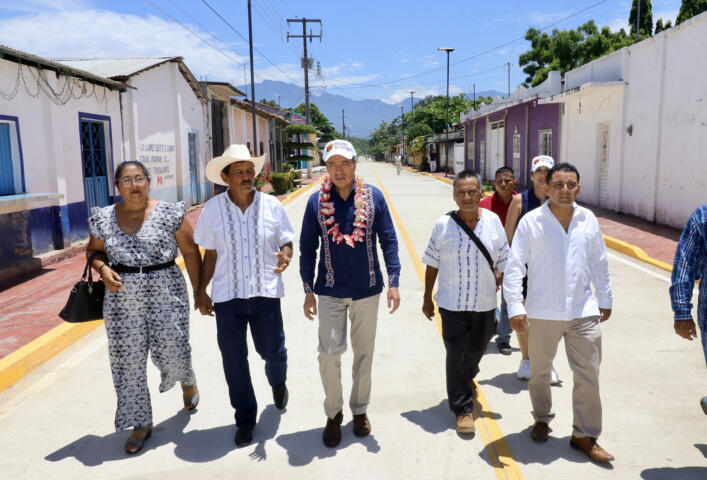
(367, 50)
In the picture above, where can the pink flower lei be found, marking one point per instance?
(326, 207)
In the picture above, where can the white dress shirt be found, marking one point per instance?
(465, 280)
(246, 245)
(560, 267)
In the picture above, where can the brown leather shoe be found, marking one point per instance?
(474, 389)
(590, 446)
(540, 432)
(332, 431)
(465, 423)
(361, 427)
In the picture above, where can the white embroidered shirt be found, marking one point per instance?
(246, 245)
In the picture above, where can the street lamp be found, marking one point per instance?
(412, 104)
(446, 123)
(402, 124)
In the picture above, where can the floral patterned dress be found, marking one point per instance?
(150, 313)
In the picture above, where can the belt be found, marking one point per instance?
(149, 268)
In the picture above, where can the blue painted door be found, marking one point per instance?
(7, 174)
(195, 190)
(95, 171)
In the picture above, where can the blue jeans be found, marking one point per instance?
(265, 319)
(702, 326)
(503, 330)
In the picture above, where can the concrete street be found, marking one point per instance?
(57, 422)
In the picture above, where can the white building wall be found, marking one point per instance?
(663, 169)
(49, 133)
(585, 111)
(161, 113)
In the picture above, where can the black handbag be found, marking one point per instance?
(477, 241)
(86, 298)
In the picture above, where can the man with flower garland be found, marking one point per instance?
(346, 216)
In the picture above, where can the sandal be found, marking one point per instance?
(136, 442)
(190, 401)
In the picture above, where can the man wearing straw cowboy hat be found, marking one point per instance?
(248, 242)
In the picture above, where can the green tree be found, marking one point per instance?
(564, 50)
(689, 9)
(272, 103)
(659, 27)
(319, 120)
(646, 21)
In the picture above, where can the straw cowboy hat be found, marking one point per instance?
(233, 154)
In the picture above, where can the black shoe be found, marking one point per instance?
(362, 426)
(280, 396)
(332, 431)
(703, 403)
(504, 348)
(244, 436)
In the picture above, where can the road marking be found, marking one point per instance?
(497, 449)
(638, 267)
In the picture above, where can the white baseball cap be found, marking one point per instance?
(339, 147)
(541, 161)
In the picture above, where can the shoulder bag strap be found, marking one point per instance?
(474, 238)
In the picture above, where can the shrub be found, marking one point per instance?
(280, 182)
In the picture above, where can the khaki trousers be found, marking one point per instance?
(363, 314)
(583, 346)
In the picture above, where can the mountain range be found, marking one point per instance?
(361, 116)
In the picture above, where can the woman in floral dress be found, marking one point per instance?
(146, 306)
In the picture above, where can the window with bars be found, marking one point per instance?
(545, 142)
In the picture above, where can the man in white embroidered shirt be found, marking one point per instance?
(564, 251)
(248, 242)
(468, 282)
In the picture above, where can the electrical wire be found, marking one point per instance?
(240, 35)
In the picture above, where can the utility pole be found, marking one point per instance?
(252, 83)
(638, 21)
(402, 124)
(343, 123)
(278, 101)
(245, 81)
(412, 104)
(509, 78)
(474, 97)
(305, 61)
(446, 125)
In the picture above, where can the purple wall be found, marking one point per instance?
(540, 117)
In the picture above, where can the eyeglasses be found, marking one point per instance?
(562, 185)
(138, 180)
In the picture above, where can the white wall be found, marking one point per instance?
(49, 133)
(662, 165)
(158, 116)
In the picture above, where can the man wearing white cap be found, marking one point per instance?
(346, 216)
(528, 200)
(248, 242)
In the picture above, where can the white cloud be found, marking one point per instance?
(429, 61)
(65, 34)
(27, 6)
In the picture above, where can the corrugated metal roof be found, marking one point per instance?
(124, 68)
(116, 67)
(28, 58)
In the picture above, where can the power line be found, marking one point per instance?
(402, 79)
(240, 35)
(194, 33)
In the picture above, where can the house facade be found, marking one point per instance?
(165, 122)
(60, 137)
(511, 131)
(635, 125)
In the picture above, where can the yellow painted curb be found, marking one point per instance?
(497, 449)
(635, 252)
(30, 356)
